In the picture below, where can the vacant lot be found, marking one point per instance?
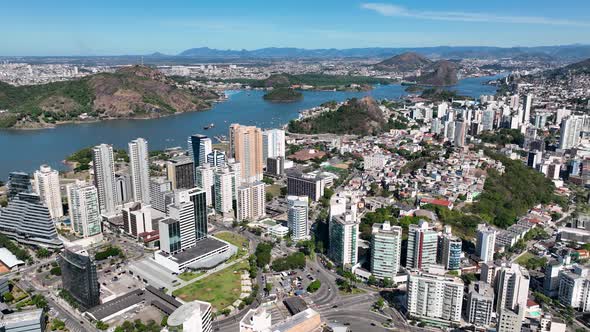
(233, 238)
(221, 289)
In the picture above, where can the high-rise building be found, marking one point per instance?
(514, 102)
(170, 239)
(181, 172)
(298, 217)
(104, 177)
(47, 187)
(190, 210)
(246, 147)
(18, 182)
(216, 158)
(273, 144)
(344, 234)
(225, 189)
(137, 218)
(256, 320)
(251, 201)
(488, 272)
(460, 131)
(485, 244)
(487, 120)
(510, 320)
(199, 146)
(124, 189)
(450, 250)
(139, 160)
(422, 246)
(526, 114)
(32, 320)
(386, 248)
(480, 304)
(574, 288)
(159, 188)
(27, 220)
(275, 166)
(195, 316)
(79, 278)
(204, 179)
(434, 296)
(512, 287)
(570, 129)
(310, 185)
(84, 208)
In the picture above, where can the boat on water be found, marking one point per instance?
(211, 125)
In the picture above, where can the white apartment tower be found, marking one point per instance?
(298, 217)
(140, 170)
(512, 287)
(104, 177)
(47, 187)
(273, 144)
(434, 296)
(386, 248)
(485, 244)
(224, 180)
(84, 209)
(204, 179)
(251, 201)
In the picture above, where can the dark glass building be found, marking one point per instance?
(181, 172)
(199, 200)
(18, 182)
(78, 275)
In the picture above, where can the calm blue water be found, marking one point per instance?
(25, 150)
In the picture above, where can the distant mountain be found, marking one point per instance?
(561, 52)
(404, 62)
(131, 92)
(440, 73)
(581, 67)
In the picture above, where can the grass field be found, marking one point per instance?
(221, 289)
(522, 260)
(188, 276)
(233, 238)
(274, 189)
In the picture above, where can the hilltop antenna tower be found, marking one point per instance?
(142, 60)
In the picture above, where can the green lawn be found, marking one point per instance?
(522, 260)
(233, 238)
(221, 289)
(188, 276)
(274, 189)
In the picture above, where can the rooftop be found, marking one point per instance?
(118, 304)
(202, 247)
(186, 311)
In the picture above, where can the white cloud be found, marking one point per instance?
(399, 11)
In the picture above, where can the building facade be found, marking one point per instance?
(83, 203)
(297, 217)
(47, 187)
(386, 248)
(140, 170)
(79, 278)
(247, 149)
(104, 177)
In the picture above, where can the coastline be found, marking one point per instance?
(77, 122)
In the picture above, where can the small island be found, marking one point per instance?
(283, 95)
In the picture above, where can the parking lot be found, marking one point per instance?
(289, 283)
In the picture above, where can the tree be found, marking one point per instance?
(101, 325)
(314, 286)
(387, 283)
(8, 297)
(262, 253)
(380, 303)
(164, 321)
(42, 253)
(372, 280)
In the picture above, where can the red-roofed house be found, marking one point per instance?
(438, 202)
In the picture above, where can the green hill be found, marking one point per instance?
(131, 92)
(357, 116)
(283, 95)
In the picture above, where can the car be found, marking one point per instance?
(373, 324)
(346, 324)
(334, 306)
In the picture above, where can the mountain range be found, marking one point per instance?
(560, 52)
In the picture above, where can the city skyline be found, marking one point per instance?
(68, 28)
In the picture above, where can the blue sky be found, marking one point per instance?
(109, 27)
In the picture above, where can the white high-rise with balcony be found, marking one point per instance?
(298, 217)
(104, 177)
(47, 187)
(84, 209)
(140, 170)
